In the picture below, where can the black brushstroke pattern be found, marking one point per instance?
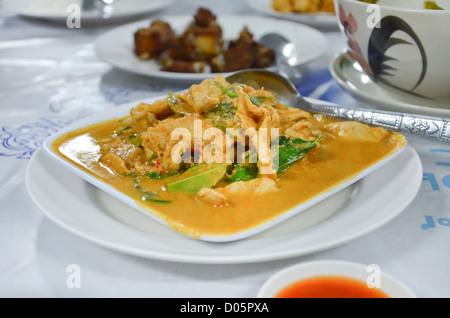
(381, 40)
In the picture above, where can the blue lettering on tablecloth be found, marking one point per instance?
(431, 177)
(22, 141)
(430, 222)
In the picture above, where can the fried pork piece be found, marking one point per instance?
(327, 6)
(282, 5)
(303, 6)
(307, 6)
(242, 53)
(150, 43)
(202, 39)
(199, 43)
(356, 131)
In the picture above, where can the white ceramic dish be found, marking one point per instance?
(400, 43)
(349, 75)
(116, 46)
(388, 284)
(313, 19)
(94, 215)
(57, 10)
(122, 111)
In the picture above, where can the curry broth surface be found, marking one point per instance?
(325, 167)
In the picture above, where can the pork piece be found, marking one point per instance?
(202, 39)
(207, 94)
(145, 115)
(258, 186)
(158, 139)
(301, 129)
(243, 53)
(307, 6)
(327, 6)
(121, 156)
(211, 196)
(356, 131)
(150, 42)
(289, 116)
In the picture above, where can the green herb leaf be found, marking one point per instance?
(258, 100)
(158, 175)
(223, 116)
(226, 91)
(132, 174)
(244, 172)
(155, 200)
(291, 150)
(122, 130)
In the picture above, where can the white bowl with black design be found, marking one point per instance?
(400, 44)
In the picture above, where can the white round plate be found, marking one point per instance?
(313, 19)
(92, 214)
(353, 79)
(58, 9)
(388, 284)
(116, 47)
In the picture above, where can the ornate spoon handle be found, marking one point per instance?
(431, 127)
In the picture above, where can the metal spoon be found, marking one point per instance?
(102, 7)
(437, 128)
(285, 54)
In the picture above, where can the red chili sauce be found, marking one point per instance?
(330, 287)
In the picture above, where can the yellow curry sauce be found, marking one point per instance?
(344, 150)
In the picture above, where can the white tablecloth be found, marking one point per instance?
(50, 75)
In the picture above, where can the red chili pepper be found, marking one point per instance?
(158, 165)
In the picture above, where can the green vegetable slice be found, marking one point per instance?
(198, 177)
(291, 150)
(136, 140)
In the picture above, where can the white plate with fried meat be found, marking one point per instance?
(194, 47)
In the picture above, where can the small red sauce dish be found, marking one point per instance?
(333, 279)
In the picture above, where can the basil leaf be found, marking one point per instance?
(244, 173)
(291, 150)
(223, 116)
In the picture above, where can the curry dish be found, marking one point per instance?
(197, 187)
